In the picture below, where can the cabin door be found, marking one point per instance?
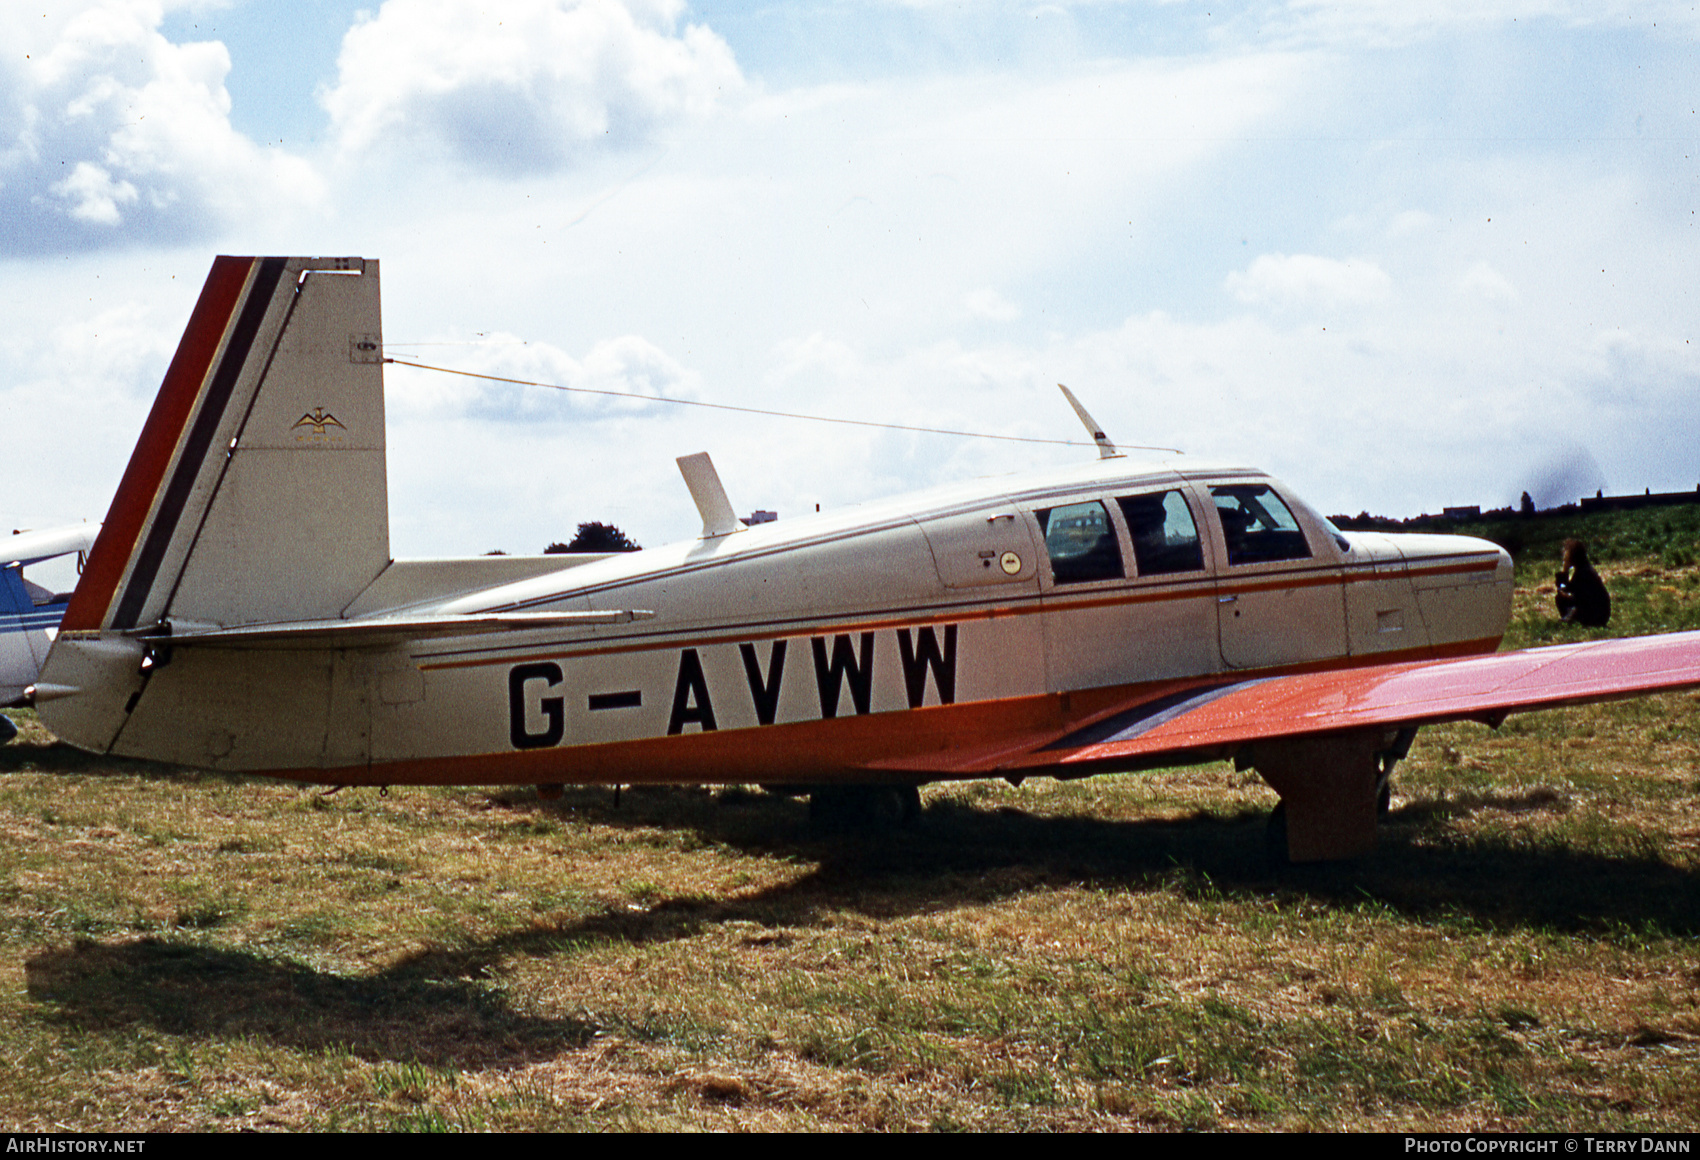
(1277, 602)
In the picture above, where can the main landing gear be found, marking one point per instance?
(835, 809)
(1333, 789)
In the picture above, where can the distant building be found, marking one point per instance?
(1473, 512)
(760, 517)
(1607, 503)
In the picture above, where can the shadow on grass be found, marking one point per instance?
(438, 1006)
(407, 1014)
(960, 854)
(24, 756)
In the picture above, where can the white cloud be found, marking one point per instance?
(1306, 279)
(627, 365)
(1411, 221)
(989, 304)
(525, 86)
(941, 247)
(92, 194)
(1483, 281)
(1383, 23)
(111, 132)
(77, 392)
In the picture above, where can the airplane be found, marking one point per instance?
(240, 611)
(29, 613)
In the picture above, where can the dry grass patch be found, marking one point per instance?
(192, 952)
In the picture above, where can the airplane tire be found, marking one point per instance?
(864, 807)
(909, 805)
(1275, 837)
(8, 729)
(1384, 763)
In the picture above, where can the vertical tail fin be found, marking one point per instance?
(258, 490)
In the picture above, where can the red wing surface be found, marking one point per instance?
(1207, 719)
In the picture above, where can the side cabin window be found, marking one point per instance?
(40, 596)
(1165, 538)
(1257, 526)
(1081, 543)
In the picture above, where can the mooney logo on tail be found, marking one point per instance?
(318, 419)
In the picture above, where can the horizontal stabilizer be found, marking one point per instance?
(376, 632)
(30, 547)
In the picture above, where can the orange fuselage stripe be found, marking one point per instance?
(966, 740)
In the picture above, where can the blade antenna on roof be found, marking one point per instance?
(709, 494)
(1106, 449)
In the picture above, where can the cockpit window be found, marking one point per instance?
(1081, 543)
(1165, 538)
(39, 595)
(18, 593)
(1257, 526)
(1340, 539)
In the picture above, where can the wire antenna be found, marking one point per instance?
(400, 362)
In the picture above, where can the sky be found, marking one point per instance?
(1400, 255)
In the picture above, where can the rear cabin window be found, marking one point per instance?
(1165, 538)
(40, 596)
(1081, 543)
(1257, 526)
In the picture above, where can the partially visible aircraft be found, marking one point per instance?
(241, 611)
(29, 613)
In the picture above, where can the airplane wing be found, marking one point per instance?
(1211, 718)
(29, 547)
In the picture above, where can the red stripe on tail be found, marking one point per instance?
(160, 435)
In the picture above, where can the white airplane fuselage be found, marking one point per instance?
(931, 618)
(241, 611)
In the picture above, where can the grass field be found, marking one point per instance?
(182, 950)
